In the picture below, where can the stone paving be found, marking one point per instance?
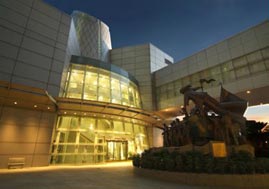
(108, 176)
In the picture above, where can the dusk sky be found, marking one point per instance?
(178, 27)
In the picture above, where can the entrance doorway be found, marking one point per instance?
(117, 150)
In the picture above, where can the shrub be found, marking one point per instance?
(262, 165)
(179, 162)
(193, 161)
(169, 163)
(136, 160)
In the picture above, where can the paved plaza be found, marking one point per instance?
(108, 176)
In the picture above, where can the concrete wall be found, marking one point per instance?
(33, 40)
(25, 133)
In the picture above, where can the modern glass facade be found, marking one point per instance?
(98, 138)
(93, 36)
(95, 140)
(92, 83)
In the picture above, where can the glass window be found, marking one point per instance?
(86, 144)
(228, 76)
(75, 84)
(124, 94)
(104, 124)
(185, 81)
(227, 66)
(257, 67)
(215, 71)
(128, 127)
(254, 57)
(104, 87)
(265, 53)
(87, 123)
(170, 93)
(242, 72)
(115, 91)
(90, 88)
(137, 129)
(195, 80)
(137, 99)
(132, 97)
(177, 86)
(239, 62)
(118, 126)
(91, 83)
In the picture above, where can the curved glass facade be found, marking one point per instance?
(93, 36)
(94, 140)
(92, 83)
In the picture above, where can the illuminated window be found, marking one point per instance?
(90, 140)
(92, 83)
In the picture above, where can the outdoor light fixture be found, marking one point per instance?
(248, 92)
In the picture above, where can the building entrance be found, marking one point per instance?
(117, 150)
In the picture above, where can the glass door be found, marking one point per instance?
(117, 150)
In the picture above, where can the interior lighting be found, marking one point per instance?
(64, 112)
(15, 102)
(248, 92)
(35, 106)
(84, 113)
(48, 108)
(75, 113)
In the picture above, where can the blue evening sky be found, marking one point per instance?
(178, 27)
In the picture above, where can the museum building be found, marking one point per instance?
(68, 97)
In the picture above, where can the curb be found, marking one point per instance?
(203, 179)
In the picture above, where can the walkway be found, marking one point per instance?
(109, 176)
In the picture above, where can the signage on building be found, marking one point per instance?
(219, 149)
